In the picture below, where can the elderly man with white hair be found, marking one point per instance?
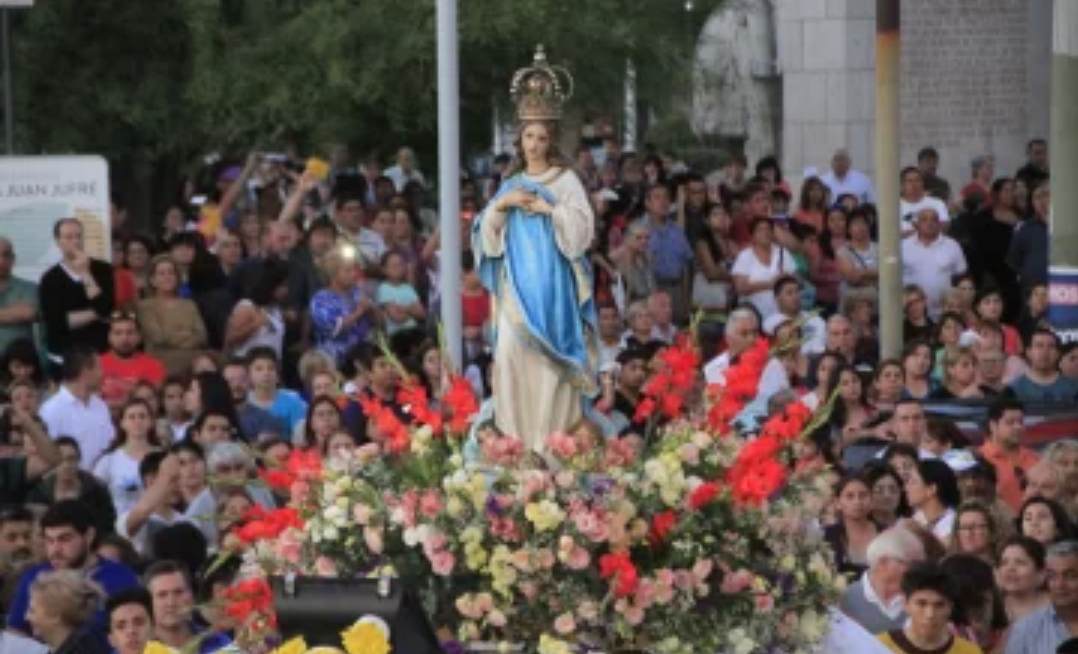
(742, 330)
(1046, 480)
(844, 180)
(875, 601)
(229, 467)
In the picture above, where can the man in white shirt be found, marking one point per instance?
(788, 301)
(405, 170)
(156, 507)
(610, 328)
(844, 180)
(930, 259)
(914, 199)
(77, 409)
(742, 330)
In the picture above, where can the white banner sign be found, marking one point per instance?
(35, 192)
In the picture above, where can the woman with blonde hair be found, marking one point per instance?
(62, 604)
(341, 314)
(959, 367)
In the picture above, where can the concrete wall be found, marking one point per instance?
(975, 80)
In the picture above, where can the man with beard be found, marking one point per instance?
(16, 535)
(124, 365)
(69, 545)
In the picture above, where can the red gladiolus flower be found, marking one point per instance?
(277, 479)
(660, 527)
(249, 598)
(413, 396)
(788, 425)
(759, 482)
(621, 568)
(267, 525)
(461, 404)
(644, 410)
(703, 495)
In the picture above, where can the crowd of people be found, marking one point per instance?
(141, 396)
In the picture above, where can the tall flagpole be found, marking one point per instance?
(449, 179)
(888, 21)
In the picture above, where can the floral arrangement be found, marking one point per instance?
(704, 541)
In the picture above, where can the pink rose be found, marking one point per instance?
(529, 590)
(690, 454)
(325, 567)
(496, 618)
(442, 563)
(736, 582)
(764, 602)
(565, 624)
(633, 614)
(288, 546)
(431, 504)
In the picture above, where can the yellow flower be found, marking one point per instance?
(551, 645)
(154, 647)
(545, 515)
(295, 646)
(365, 638)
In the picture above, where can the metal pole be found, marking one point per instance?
(1063, 242)
(9, 93)
(449, 178)
(888, 19)
(630, 107)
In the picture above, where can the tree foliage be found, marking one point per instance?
(177, 78)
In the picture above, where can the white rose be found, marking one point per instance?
(331, 533)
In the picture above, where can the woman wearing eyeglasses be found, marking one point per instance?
(975, 532)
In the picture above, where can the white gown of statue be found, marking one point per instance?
(531, 397)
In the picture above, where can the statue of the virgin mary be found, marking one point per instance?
(530, 244)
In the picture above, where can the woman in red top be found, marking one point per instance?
(812, 207)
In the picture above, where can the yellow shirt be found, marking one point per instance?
(897, 642)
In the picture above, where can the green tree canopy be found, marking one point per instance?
(169, 81)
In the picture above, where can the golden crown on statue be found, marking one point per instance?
(540, 90)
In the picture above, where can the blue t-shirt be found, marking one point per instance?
(112, 577)
(288, 407)
(1060, 391)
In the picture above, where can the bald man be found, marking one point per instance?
(18, 299)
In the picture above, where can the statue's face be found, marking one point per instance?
(535, 140)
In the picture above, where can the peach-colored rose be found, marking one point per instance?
(564, 624)
(362, 514)
(373, 537)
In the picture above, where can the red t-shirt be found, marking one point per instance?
(119, 376)
(475, 308)
(126, 291)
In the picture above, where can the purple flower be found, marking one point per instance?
(492, 506)
(453, 647)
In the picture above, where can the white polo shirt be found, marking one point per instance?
(931, 266)
(89, 424)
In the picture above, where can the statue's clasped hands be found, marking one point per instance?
(529, 202)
